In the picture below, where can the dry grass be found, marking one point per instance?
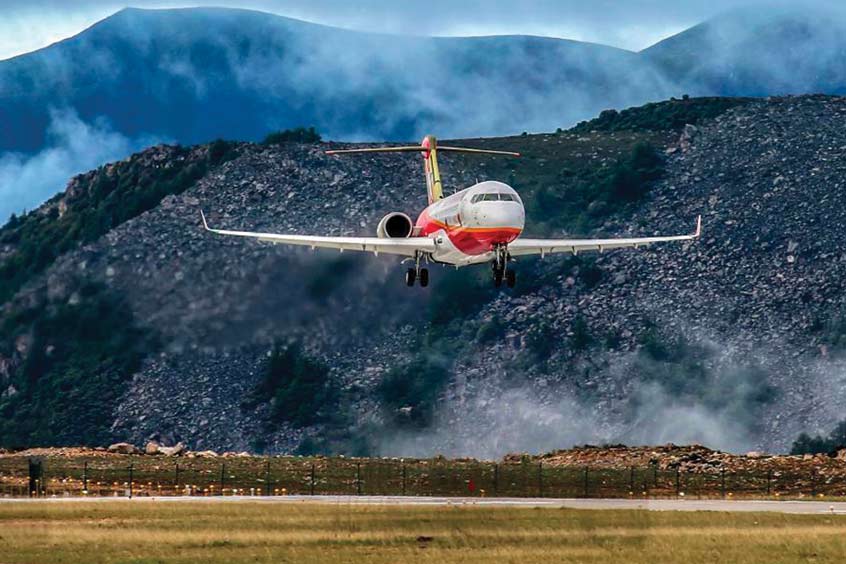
(141, 533)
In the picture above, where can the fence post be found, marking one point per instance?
(769, 479)
(403, 476)
(586, 481)
(540, 479)
(130, 480)
(176, 479)
(311, 485)
(496, 480)
(655, 475)
(723, 481)
(36, 477)
(358, 477)
(85, 477)
(267, 478)
(678, 483)
(814, 483)
(222, 477)
(631, 479)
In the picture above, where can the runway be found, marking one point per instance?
(791, 507)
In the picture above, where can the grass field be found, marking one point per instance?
(146, 533)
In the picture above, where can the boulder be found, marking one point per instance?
(206, 454)
(152, 448)
(123, 448)
(175, 450)
(841, 454)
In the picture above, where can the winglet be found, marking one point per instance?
(205, 224)
(698, 227)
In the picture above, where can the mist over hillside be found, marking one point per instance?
(757, 52)
(193, 75)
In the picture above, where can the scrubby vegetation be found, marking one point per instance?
(818, 444)
(668, 115)
(112, 195)
(298, 135)
(584, 198)
(297, 386)
(831, 330)
(409, 391)
(77, 357)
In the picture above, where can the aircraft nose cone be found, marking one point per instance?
(502, 215)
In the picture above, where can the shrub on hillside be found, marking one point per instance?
(298, 135)
(409, 391)
(297, 386)
(660, 116)
(806, 444)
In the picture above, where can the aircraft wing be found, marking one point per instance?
(405, 247)
(522, 247)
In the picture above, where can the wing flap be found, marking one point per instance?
(403, 247)
(522, 247)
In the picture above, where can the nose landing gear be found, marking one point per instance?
(500, 269)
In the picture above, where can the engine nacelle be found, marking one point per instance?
(395, 225)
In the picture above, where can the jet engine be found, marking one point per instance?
(395, 225)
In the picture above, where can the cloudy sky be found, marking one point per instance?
(632, 24)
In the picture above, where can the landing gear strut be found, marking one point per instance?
(417, 273)
(499, 267)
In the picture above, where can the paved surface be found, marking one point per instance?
(796, 507)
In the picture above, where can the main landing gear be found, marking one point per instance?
(417, 274)
(499, 267)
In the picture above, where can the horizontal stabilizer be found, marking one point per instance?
(415, 149)
(477, 151)
(419, 149)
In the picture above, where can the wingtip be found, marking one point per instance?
(205, 223)
(698, 226)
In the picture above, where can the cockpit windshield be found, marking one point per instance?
(493, 197)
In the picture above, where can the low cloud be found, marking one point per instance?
(73, 146)
(727, 406)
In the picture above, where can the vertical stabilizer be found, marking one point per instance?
(430, 166)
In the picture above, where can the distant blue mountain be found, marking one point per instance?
(758, 52)
(191, 75)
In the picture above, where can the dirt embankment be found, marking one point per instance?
(694, 459)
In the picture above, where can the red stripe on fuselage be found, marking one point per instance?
(468, 240)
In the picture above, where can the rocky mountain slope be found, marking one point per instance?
(734, 341)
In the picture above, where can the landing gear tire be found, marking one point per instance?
(510, 278)
(411, 276)
(423, 277)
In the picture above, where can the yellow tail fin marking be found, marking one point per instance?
(430, 166)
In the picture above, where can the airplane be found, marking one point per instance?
(480, 224)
